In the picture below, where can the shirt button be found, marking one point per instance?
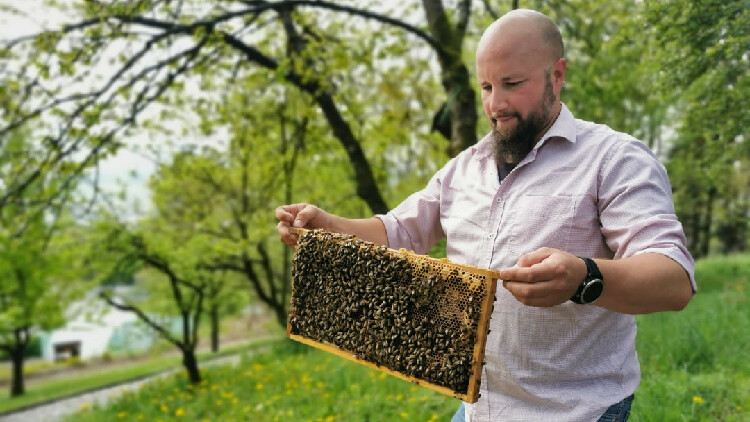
(491, 235)
(499, 200)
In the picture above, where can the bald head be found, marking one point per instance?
(524, 29)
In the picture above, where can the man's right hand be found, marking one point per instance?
(300, 216)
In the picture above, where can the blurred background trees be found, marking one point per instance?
(246, 105)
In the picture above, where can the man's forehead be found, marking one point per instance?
(509, 59)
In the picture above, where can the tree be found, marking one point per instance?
(176, 286)
(704, 48)
(225, 198)
(220, 41)
(39, 273)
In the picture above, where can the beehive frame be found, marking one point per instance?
(438, 321)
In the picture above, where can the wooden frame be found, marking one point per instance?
(472, 394)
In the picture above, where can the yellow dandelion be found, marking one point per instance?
(122, 414)
(164, 408)
(259, 386)
(698, 399)
(404, 415)
(179, 412)
(86, 406)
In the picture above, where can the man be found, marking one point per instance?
(578, 218)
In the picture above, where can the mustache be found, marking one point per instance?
(507, 114)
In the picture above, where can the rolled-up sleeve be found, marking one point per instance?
(415, 223)
(636, 209)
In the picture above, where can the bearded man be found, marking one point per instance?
(577, 217)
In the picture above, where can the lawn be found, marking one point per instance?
(694, 365)
(40, 392)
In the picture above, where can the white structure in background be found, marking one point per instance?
(96, 329)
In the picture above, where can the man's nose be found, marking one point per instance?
(498, 101)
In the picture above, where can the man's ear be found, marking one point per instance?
(558, 74)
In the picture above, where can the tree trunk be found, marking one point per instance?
(280, 312)
(455, 75)
(214, 329)
(17, 387)
(190, 363)
(461, 103)
(708, 222)
(16, 352)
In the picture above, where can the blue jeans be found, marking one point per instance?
(618, 412)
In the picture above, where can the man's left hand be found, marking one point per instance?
(545, 277)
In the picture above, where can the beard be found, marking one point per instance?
(511, 145)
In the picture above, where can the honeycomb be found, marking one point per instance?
(423, 319)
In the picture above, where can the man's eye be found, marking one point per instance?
(512, 84)
(487, 88)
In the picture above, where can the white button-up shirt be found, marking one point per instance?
(584, 189)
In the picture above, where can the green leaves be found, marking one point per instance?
(705, 57)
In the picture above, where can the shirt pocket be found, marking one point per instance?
(541, 221)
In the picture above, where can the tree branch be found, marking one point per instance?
(143, 317)
(462, 21)
(490, 10)
(260, 6)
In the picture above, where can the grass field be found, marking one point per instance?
(695, 368)
(41, 392)
(696, 363)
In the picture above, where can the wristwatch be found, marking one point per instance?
(591, 287)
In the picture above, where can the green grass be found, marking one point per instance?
(696, 363)
(695, 368)
(291, 383)
(44, 391)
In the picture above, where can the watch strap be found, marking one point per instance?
(592, 270)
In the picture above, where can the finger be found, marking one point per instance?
(288, 212)
(535, 257)
(305, 215)
(288, 238)
(535, 274)
(536, 294)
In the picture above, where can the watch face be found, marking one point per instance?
(592, 291)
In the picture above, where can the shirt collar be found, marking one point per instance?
(564, 127)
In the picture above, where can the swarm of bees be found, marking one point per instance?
(409, 313)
